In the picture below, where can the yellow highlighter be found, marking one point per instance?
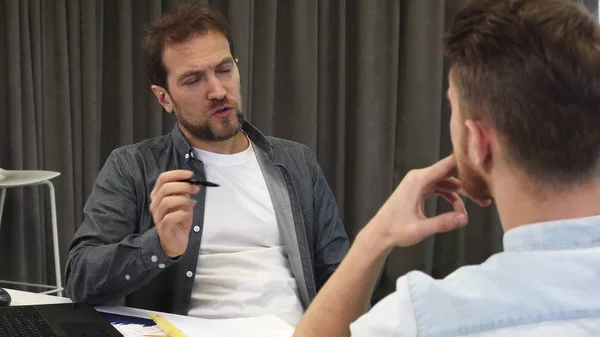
(166, 326)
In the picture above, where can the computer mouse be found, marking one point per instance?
(4, 298)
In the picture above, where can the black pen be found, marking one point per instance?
(200, 182)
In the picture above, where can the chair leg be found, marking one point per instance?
(2, 197)
(55, 237)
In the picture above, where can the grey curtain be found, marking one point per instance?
(360, 82)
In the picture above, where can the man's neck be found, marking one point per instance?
(235, 144)
(519, 205)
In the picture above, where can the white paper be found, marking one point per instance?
(261, 326)
(138, 330)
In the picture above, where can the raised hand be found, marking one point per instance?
(401, 220)
(172, 210)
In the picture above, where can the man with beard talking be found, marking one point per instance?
(525, 128)
(263, 241)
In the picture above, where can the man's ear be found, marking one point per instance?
(480, 142)
(162, 95)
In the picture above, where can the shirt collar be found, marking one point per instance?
(554, 235)
(256, 137)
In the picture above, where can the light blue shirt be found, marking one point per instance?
(545, 283)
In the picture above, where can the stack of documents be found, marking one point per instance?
(261, 326)
(138, 330)
(132, 326)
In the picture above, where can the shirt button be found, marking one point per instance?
(161, 266)
(187, 155)
(196, 229)
(127, 277)
(189, 274)
(154, 258)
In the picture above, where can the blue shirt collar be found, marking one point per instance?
(554, 235)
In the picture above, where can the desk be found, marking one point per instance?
(26, 298)
(263, 326)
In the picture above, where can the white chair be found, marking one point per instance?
(19, 178)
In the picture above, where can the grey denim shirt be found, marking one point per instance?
(116, 256)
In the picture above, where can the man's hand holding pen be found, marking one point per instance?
(172, 210)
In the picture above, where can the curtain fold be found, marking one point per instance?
(362, 83)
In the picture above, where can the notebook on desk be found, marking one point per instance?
(261, 326)
(133, 326)
(54, 320)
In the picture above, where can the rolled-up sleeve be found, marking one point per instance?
(393, 316)
(109, 258)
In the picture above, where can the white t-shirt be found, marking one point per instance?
(243, 269)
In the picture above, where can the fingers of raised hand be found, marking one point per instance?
(454, 185)
(442, 169)
(170, 176)
(175, 188)
(181, 218)
(450, 184)
(454, 199)
(170, 204)
(444, 222)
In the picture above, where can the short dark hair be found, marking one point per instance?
(531, 68)
(178, 26)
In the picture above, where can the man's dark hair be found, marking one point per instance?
(531, 69)
(178, 26)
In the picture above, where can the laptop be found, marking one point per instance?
(54, 320)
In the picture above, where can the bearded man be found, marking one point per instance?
(264, 241)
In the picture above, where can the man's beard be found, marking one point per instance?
(472, 182)
(205, 131)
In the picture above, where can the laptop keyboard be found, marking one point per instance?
(23, 322)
